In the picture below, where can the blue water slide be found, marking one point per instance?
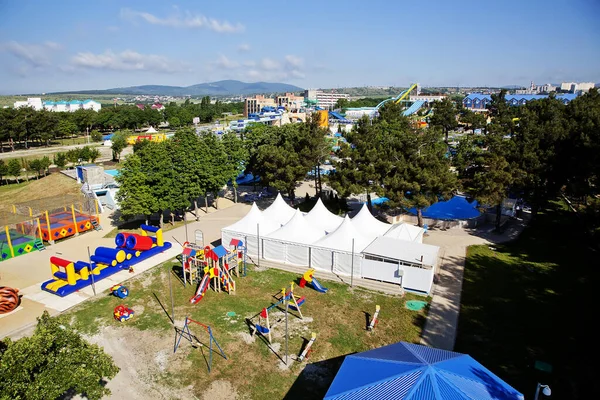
(416, 106)
(338, 116)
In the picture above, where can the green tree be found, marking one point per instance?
(135, 195)
(3, 170)
(93, 154)
(36, 166)
(60, 160)
(14, 168)
(45, 164)
(444, 116)
(119, 142)
(66, 127)
(237, 156)
(53, 362)
(96, 136)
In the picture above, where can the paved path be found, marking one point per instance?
(442, 322)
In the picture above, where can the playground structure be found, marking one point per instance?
(375, 318)
(308, 277)
(57, 217)
(263, 325)
(19, 235)
(216, 265)
(9, 299)
(307, 349)
(155, 137)
(185, 332)
(120, 291)
(131, 248)
(122, 313)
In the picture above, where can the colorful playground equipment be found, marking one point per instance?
(375, 318)
(307, 349)
(123, 313)
(120, 291)
(216, 265)
(9, 299)
(21, 234)
(185, 332)
(308, 277)
(131, 248)
(263, 325)
(156, 137)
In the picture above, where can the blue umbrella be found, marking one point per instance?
(414, 372)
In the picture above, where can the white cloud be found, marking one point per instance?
(293, 61)
(128, 60)
(225, 63)
(244, 47)
(269, 64)
(187, 20)
(34, 55)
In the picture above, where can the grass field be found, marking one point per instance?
(531, 300)
(52, 185)
(253, 370)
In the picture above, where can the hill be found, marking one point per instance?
(220, 88)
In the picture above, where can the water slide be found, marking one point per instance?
(416, 106)
(398, 98)
(317, 286)
(201, 289)
(338, 116)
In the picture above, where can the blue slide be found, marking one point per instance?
(414, 108)
(317, 286)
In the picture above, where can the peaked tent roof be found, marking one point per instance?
(151, 130)
(414, 372)
(279, 211)
(322, 218)
(368, 225)
(341, 238)
(248, 224)
(406, 232)
(298, 230)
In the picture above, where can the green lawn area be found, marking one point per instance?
(531, 301)
(338, 317)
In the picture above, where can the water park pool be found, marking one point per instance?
(112, 172)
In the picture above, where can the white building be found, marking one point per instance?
(585, 86)
(574, 87)
(325, 100)
(72, 106)
(547, 88)
(33, 102)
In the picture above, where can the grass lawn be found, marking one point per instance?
(532, 300)
(338, 317)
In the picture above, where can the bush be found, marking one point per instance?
(96, 136)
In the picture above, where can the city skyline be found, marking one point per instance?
(72, 46)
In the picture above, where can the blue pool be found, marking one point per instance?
(112, 172)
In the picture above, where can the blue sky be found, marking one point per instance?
(50, 46)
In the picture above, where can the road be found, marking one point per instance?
(105, 152)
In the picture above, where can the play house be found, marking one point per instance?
(131, 248)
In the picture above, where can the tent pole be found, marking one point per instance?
(258, 242)
(352, 264)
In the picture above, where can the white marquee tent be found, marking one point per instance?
(246, 229)
(322, 218)
(333, 253)
(368, 225)
(279, 211)
(406, 232)
(290, 243)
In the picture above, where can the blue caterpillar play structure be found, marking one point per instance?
(131, 248)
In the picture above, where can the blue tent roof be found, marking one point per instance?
(457, 207)
(414, 372)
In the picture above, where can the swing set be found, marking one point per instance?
(188, 335)
(263, 325)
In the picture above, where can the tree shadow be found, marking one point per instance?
(367, 320)
(315, 379)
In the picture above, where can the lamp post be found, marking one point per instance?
(545, 390)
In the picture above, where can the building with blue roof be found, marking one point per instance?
(415, 372)
(480, 101)
(72, 106)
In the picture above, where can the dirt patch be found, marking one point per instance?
(143, 357)
(220, 390)
(246, 337)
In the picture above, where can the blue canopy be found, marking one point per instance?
(414, 372)
(457, 207)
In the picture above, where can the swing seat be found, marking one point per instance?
(263, 330)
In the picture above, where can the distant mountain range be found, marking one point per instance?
(220, 88)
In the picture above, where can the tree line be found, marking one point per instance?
(20, 127)
(173, 175)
